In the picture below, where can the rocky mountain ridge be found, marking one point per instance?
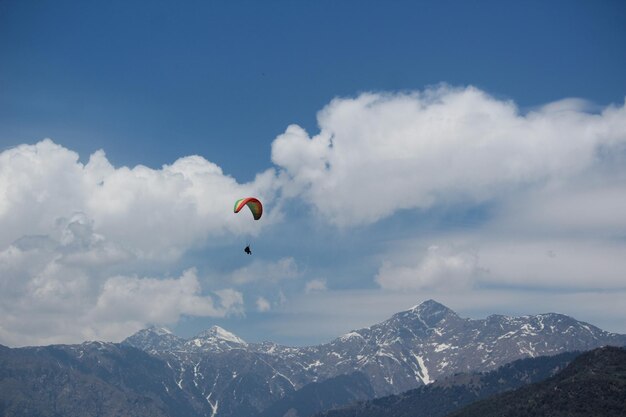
(411, 349)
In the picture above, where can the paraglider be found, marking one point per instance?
(256, 208)
(253, 204)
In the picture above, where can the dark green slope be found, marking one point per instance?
(318, 396)
(594, 384)
(93, 379)
(454, 392)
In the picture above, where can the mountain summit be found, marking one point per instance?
(155, 339)
(218, 333)
(432, 313)
(215, 339)
(430, 307)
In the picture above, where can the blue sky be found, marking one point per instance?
(492, 132)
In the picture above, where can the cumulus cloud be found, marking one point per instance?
(154, 213)
(152, 300)
(553, 178)
(379, 153)
(47, 300)
(534, 261)
(64, 289)
(76, 239)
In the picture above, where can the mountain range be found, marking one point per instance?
(217, 373)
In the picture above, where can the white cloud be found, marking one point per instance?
(77, 239)
(263, 305)
(154, 213)
(65, 291)
(489, 258)
(441, 267)
(51, 302)
(554, 180)
(154, 300)
(380, 153)
(315, 285)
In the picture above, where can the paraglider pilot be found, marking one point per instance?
(256, 208)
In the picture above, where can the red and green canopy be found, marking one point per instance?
(253, 204)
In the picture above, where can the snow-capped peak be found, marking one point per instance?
(159, 331)
(350, 335)
(219, 334)
(154, 338)
(432, 312)
(429, 307)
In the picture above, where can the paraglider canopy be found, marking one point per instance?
(253, 204)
